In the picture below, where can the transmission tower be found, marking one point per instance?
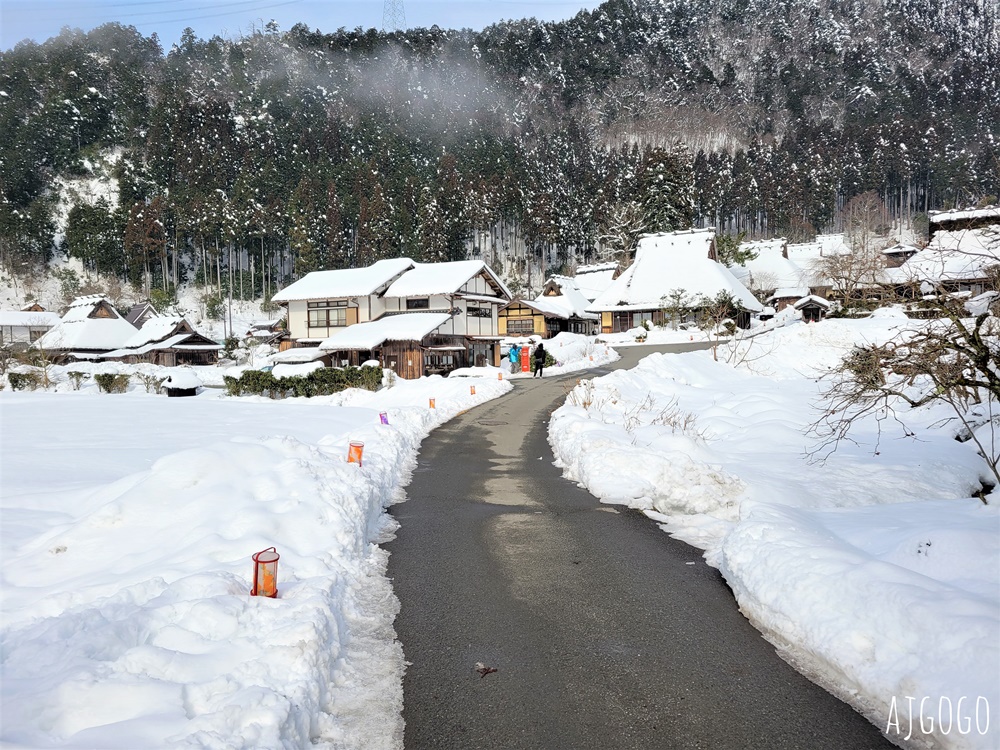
(393, 18)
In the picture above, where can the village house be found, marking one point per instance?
(770, 269)
(168, 341)
(19, 328)
(90, 328)
(963, 259)
(961, 219)
(561, 307)
(668, 265)
(415, 318)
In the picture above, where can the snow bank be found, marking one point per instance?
(873, 570)
(129, 522)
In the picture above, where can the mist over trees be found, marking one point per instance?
(242, 163)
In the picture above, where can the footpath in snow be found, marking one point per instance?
(875, 572)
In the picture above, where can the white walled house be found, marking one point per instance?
(431, 317)
(323, 302)
(21, 327)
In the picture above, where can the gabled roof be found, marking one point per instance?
(345, 282)
(164, 332)
(425, 279)
(569, 303)
(668, 262)
(90, 324)
(812, 299)
(157, 328)
(138, 311)
(367, 336)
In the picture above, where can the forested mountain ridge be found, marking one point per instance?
(530, 144)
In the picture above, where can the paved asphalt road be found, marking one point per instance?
(602, 633)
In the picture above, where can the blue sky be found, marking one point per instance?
(40, 19)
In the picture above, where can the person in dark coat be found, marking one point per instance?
(539, 360)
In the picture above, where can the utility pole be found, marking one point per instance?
(393, 18)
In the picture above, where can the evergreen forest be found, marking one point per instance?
(243, 163)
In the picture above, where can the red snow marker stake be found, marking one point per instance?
(265, 573)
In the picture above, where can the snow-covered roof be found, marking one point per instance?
(812, 299)
(953, 255)
(788, 292)
(425, 279)
(770, 268)
(172, 342)
(775, 244)
(298, 354)
(17, 318)
(345, 282)
(964, 214)
(77, 330)
(569, 303)
(823, 246)
(899, 249)
(367, 336)
(597, 268)
(667, 262)
(594, 279)
(155, 328)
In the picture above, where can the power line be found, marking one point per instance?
(393, 17)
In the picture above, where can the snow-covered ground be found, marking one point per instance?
(128, 525)
(875, 572)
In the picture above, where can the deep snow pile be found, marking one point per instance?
(129, 521)
(875, 572)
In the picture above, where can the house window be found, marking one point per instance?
(327, 314)
(640, 317)
(419, 303)
(475, 311)
(520, 326)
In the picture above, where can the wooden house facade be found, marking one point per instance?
(416, 318)
(169, 341)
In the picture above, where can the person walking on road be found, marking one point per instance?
(539, 360)
(514, 354)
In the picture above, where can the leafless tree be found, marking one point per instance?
(952, 359)
(862, 269)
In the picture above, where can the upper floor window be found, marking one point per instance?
(327, 313)
(418, 303)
